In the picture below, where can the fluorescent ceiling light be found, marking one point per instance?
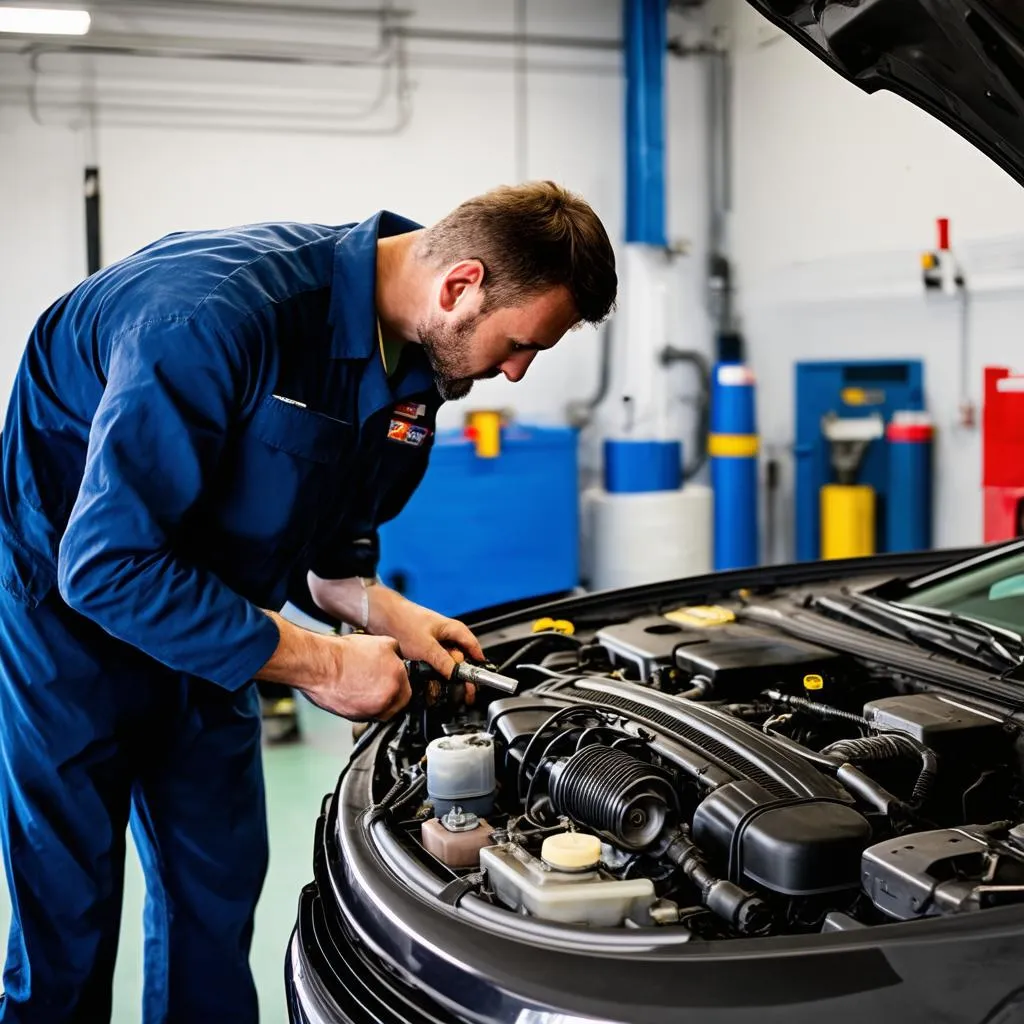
(39, 21)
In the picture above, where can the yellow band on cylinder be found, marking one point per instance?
(847, 521)
(733, 446)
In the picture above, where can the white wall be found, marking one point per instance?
(836, 194)
(165, 171)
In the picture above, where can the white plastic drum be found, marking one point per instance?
(647, 538)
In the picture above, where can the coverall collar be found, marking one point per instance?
(353, 311)
(354, 316)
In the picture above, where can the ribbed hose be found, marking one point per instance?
(885, 748)
(614, 793)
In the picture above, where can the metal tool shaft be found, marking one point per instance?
(480, 676)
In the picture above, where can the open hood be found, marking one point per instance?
(960, 60)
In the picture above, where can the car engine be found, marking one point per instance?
(687, 770)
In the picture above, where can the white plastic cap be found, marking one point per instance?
(571, 851)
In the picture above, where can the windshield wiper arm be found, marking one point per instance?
(892, 621)
(994, 638)
(1002, 639)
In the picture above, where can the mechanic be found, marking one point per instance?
(193, 433)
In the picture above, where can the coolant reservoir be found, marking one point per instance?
(460, 771)
(565, 883)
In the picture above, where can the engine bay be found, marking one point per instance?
(696, 772)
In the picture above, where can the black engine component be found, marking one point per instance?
(736, 749)
(739, 659)
(797, 846)
(928, 874)
(939, 724)
(747, 913)
(622, 798)
(889, 747)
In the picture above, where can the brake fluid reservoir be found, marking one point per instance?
(566, 883)
(457, 838)
(460, 771)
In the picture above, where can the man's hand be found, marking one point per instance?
(358, 677)
(422, 634)
(369, 682)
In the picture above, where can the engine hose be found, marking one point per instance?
(886, 747)
(563, 640)
(407, 797)
(700, 688)
(616, 794)
(813, 708)
(745, 911)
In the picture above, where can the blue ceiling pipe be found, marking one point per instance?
(646, 35)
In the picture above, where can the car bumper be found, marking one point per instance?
(329, 979)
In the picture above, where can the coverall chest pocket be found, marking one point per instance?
(285, 462)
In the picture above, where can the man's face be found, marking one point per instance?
(465, 345)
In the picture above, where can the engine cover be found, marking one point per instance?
(734, 749)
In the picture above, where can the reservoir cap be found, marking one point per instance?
(571, 851)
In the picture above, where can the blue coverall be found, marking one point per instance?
(190, 431)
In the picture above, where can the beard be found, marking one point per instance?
(447, 347)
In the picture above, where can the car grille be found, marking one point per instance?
(363, 992)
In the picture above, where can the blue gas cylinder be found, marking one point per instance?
(733, 451)
(483, 531)
(908, 514)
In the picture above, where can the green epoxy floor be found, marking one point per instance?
(298, 775)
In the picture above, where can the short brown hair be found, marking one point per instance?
(529, 238)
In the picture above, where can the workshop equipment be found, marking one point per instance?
(733, 448)
(848, 508)
(910, 437)
(1003, 454)
(847, 390)
(648, 538)
(482, 531)
(642, 466)
(483, 428)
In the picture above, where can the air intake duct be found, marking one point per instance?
(625, 800)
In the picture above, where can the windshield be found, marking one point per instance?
(992, 592)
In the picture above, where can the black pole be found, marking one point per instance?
(92, 219)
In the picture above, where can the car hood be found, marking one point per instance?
(960, 60)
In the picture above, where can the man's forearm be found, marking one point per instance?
(372, 607)
(302, 659)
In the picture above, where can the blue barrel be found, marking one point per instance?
(733, 448)
(908, 514)
(636, 467)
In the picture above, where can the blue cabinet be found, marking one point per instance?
(483, 531)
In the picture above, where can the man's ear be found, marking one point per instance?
(463, 278)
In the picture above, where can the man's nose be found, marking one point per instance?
(515, 367)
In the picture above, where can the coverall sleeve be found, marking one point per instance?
(172, 390)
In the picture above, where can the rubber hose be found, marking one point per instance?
(538, 641)
(886, 747)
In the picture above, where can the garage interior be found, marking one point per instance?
(815, 349)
